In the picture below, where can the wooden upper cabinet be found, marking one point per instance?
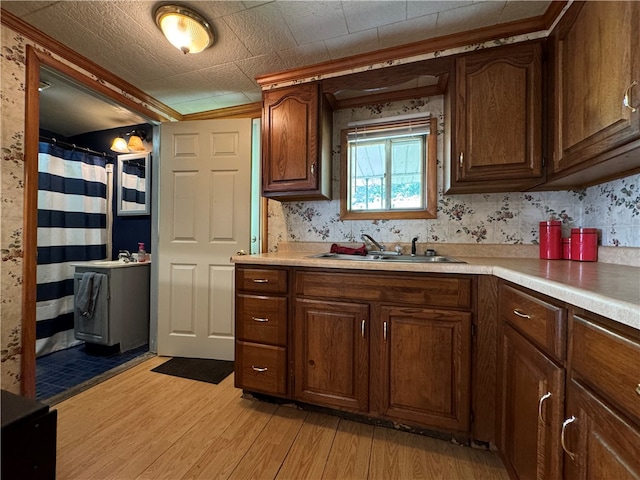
(296, 143)
(494, 107)
(594, 136)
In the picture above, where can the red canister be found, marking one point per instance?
(584, 244)
(551, 239)
(566, 248)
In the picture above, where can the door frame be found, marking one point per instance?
(34, 60)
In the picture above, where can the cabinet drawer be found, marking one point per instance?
(438, 291)
(261, 368)
(262, 319)
(261, 280)
(609, 362)
(544, 323)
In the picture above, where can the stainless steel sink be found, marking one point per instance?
(388, 258)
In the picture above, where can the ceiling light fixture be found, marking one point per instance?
(185, 29)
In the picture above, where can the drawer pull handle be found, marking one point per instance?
(638, 389)
(362, 326)
(258, 319)
(384, 331)
(520, 314)
(259, 369)
(542, 399)
(260, 280)
(569, 420)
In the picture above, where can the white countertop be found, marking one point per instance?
(109, 264)
(607, 289)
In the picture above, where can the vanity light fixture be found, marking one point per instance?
(119, 145)
(185, 29)
(135, 143)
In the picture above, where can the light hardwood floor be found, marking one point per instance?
(146, 425)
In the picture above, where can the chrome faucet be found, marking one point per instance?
(366, 238)
(125, 255)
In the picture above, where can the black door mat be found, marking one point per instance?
(204, 370)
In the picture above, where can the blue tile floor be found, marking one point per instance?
(62, 370)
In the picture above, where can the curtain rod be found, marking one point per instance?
(54, 141)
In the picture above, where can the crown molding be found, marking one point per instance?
(249, 110)
(165, 113)
(348, 64)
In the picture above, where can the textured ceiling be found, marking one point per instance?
(252, 38)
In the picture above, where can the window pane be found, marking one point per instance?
(367, 194)
(406, 174)
(367, 175)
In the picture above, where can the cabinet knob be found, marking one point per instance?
(362, 327)
(258, 319)
(638, 389)
(313, 168)
(461, 159)
(384, 331)
(568, 421)
(626, 100)
(260, 280)
(259, 369)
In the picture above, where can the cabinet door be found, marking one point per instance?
(497, 120)
(596, 60)
(531, 399)
(425, 367)
(290, 139)
(603, 444)
(332, 354)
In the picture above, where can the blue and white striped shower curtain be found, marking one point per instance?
(72, 227)
(133, 185)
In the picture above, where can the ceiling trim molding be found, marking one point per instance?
(347, 65)
(249, 110)
(164, 112)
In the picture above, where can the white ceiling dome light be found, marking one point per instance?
(185, 29)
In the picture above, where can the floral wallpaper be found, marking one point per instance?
(12, 61)
(497, 218)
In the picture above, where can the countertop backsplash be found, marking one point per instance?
(496, 218)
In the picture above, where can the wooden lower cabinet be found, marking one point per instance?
(531, 402)
(599, 443)
(395, 347)
(426, 366)
(332, 354)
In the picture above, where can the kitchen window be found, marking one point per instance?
(388, 169)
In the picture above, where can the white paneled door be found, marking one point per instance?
(204, 219)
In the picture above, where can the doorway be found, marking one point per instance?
(129, 112)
